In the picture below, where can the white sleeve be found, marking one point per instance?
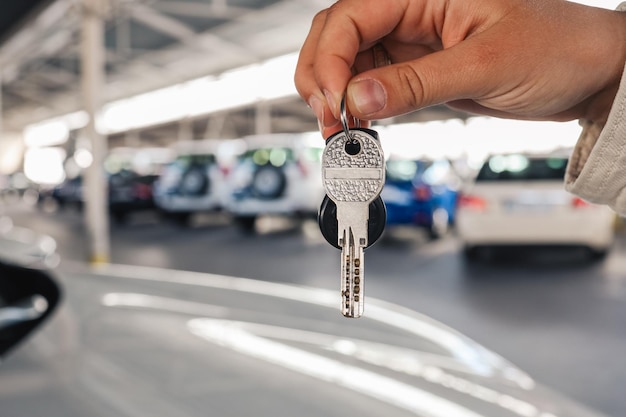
(597, 169)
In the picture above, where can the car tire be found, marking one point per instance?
(120, 217)
(194, 182)
(440, 224)
(597, 254)
(182, 219)
(269, 182)
(245, 224)
(471, 253)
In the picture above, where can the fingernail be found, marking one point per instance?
(318, 108)
(331, 102)
(331, 123)
(368, 96)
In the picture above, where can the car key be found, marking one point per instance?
(353, 174)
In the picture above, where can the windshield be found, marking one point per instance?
(522, 168)
(269, 156)
(405, 170)
(186, 161)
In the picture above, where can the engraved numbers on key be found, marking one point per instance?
(353, 174)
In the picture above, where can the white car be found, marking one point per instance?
(194, 182)
(519, 199)
(278, 174)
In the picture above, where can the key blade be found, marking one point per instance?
(351, 276)
(352, 224)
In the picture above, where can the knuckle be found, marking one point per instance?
(333, 7)
(413, 91)
(320, 17)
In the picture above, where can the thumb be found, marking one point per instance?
(463, 71)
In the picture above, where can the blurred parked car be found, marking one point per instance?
(17, 186)
(195, 181)
(421, 193)
(132, 341)
(130, 192)
(276, 175)
(519, 199)
(68, 193)
(130, 174)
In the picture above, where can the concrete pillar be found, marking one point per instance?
(185, 130)
(263, 119)
(93, 73)
(1, 108)
(132, 139)
(215, 126)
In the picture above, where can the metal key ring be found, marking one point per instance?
(344, 118)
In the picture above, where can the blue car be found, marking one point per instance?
(422, 193)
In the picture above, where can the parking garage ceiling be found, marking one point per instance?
(149, 44)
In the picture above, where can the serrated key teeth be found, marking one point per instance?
(352, 278)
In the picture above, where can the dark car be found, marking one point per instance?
(68, 193)
(422, 193)
(130, 192)
(127, 190)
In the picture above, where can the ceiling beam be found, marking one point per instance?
(29, 93)
(213, 10)
(161, 23)
(55, 76)
(42, 35)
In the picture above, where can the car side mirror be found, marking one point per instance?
(27, 298)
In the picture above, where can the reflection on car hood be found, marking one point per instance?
(153, 342)
(411, 361)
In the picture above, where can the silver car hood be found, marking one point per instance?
(223, 345)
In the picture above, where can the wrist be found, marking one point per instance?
(598, 106)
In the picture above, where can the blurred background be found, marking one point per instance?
(167, 134)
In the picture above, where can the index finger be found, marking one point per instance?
(349, 27)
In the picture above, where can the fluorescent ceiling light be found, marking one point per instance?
(240, 87)
(272, 79)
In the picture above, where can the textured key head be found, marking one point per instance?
(353, 168)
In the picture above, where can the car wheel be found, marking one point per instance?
(48, 204)
(246, 224)
(471, 253)
(120, 217)
(597, 254)
(440, 224)
(182, 219)
(269, 182)
(194, 182)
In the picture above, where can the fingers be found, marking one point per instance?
(508, 58)
(350, 27)
(329, 53)
(305, 77)
(452, 74)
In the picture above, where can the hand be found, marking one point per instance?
(523, 59)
